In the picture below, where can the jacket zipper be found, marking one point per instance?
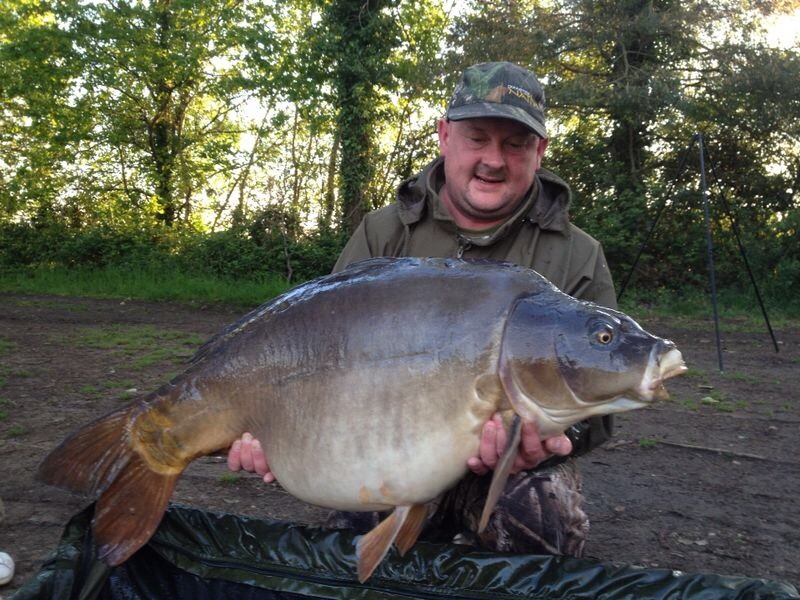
(463, 245)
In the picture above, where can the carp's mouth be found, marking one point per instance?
(665, 361)
(661, 366)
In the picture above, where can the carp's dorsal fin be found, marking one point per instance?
(403, 525)
(501, 471)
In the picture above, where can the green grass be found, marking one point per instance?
(6, 346)
(738, 311)
(229, 478)
(740, 377)
(144, 345)
(147, 283)
(125, 395)
(15, 431)
(647, 443)
(693, 372)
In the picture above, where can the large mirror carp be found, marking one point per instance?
(368, 389)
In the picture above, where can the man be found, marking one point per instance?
(486, 196)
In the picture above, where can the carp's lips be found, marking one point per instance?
(659, 369)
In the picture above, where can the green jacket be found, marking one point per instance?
(539, 235)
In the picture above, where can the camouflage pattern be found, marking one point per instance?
(499, 89)
(539, 513)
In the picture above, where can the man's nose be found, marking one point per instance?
(493, 155)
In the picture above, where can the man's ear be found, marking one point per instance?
(443, 129)
(540, 150)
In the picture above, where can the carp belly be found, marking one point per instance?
(375, 437)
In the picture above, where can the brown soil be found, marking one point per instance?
(708, 481)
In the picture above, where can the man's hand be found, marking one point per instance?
(247, 454)
(532, 449)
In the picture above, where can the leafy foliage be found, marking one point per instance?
(629, 84)
(243, 138)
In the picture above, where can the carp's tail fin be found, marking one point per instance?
(100, 458)
(89, 459)
(130, 509)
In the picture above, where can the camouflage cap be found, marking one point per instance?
(499, 89)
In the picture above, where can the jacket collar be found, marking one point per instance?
(546, 205)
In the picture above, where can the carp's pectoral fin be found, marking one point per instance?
(501, 471)
(403, 525)
(130, 509)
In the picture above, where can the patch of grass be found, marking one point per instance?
(229, 478)
(735, 308)
(158, 356)
(740, 376)
(6, 346)
(689, 404)
(719, 402)
(144, 345)
(25, 373)
(125, 395)
(90, 389)
(152, 283)
(647, 443)
(3, 414)
(15, 431)
(693, 372)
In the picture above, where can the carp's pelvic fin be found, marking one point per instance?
(501, 471)
(403, 526)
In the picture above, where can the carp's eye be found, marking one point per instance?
(604, 335)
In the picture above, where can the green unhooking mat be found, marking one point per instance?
(201, 555)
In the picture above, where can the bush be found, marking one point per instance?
(231, 254)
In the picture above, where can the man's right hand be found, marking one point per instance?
(246, 454)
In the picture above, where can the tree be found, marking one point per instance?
(628, 84)
(39, 118)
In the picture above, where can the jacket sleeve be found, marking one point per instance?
(601, 289)
(356, 249)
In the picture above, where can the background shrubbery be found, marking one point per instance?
(243, 141)
(230, 254)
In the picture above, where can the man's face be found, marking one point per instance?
(489, 165)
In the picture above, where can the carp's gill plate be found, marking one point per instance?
(368, 390)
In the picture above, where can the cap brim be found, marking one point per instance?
(479, 110)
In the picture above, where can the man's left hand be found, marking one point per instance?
(532, 449)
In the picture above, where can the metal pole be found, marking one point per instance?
(709, 246)
(735, 229)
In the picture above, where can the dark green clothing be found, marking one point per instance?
(539, 235)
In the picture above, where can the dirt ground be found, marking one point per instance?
(706, 482)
